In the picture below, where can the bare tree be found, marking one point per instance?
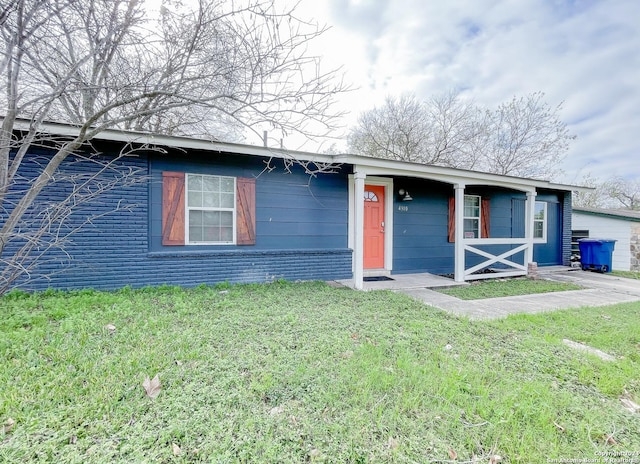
(213, 71)
(614, 192)
(597, 198)
(523, 137)
(399, 130)
(528, 138)
(459, 134)
(626, 192)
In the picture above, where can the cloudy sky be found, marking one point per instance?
(585, 53)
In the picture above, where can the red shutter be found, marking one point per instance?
(452, 219)
(246, 211)
(173, 208)
(484, 211)
(485, 215)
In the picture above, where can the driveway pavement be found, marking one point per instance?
(599, 290)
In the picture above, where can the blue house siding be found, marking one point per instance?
(552, 252)
(420, 233)
(293, 210)
(301, 226)
(301, 230)
(567, 212)
(420, 240)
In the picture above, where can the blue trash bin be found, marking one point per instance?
(596, 254)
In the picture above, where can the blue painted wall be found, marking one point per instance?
(301, 230)
(293, 210)
(301, 227)
(566, 228)
(421, 235)
(420, 240)
(553, 251)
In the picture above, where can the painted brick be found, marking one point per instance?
(566, 228)
(117, 249)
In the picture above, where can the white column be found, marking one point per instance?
(528, 226)
(459, 235)
(358, 249)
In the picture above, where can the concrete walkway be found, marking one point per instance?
(599, 290)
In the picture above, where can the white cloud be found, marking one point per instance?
(585, 53)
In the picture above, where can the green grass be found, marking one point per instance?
(288, 373)
(627, 274)
(507, 287)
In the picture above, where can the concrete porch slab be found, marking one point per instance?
(407, 281)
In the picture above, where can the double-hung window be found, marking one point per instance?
(472, 216)
(540, 221)
(211, 209)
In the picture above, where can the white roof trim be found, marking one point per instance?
(378, 166)
(366, 164)
(116, 135)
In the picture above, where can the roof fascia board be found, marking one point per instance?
(114, 135)
(393, 167)
(375, 166)
(612, 215)
(465, 180)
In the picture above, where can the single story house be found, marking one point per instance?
(211, 212)
(614, 224)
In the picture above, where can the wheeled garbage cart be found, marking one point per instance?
(596, 254)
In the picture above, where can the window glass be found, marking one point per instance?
(471, 206)
(471, 216)
(210, 209)
(540, 220)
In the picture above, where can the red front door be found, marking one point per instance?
(373, 227)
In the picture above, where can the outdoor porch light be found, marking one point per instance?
(404, 195)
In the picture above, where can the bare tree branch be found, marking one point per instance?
(524, 137)
(218, 70)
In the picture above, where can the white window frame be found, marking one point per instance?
(542, 239)
(188, 209)
(479, 217)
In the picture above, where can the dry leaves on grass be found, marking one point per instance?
(152, 387)
(8, 425)
(628, 403)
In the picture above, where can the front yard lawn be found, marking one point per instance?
(288, 373)
(627, 274)
(507, 287)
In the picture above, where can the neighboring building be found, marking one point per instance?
(211, 212)
(614, 224)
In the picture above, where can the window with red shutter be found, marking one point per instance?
(476, 217)
(199, 209)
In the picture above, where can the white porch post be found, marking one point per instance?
(459, 235)
(358, 248)
(528, 227)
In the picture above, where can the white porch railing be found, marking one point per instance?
(514, 268)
